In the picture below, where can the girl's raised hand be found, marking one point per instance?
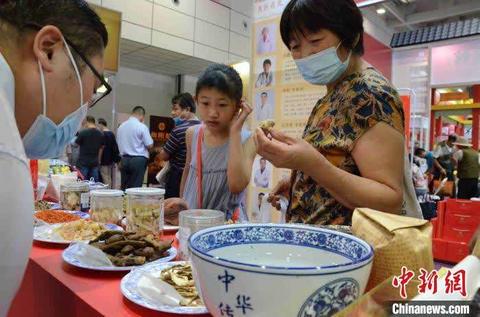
(239, 120)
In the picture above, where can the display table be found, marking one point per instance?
(52, 288)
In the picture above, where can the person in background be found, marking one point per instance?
(91, 142)
(134, 142)
(265, 78)
(262, 174)
(220, 153)
(361, 114)
(430, 161)
(420, 156)
(419, 169)
(175, 150)
(443, 162)
(264, 110)
(69, 152)
(73, 149)
(176, 110)
(467, 161)
(45, 92)
(110, 154)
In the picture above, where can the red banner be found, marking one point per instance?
(160, 128)
(406, 110)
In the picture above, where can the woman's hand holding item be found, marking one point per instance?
(287, 152)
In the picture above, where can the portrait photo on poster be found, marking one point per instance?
(260, 211)
(266, 38)
(265, 70)
(262, 173)
(264, 105)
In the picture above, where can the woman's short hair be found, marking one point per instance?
(342, 17)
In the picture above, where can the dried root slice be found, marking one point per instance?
(266, 125)
(181, 278)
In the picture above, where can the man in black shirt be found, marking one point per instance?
(175, 150)
(91, 142)
(110, 155)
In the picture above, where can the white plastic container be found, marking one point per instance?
(145, 210)
(106, 205)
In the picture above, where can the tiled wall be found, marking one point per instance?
(199, 28)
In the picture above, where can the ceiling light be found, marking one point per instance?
(381, 10)
(243, 68)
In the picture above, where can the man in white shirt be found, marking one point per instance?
(263, 111)
(262, 174)
(265, 78)
(134, 142)
(443, 158)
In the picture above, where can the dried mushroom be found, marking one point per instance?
(130, 248)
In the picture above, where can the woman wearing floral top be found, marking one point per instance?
(353, 151)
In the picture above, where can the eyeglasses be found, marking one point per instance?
(104, 89)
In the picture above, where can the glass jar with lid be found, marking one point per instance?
(194, 220)
(145, 210)
(106, 205)
(75, 196)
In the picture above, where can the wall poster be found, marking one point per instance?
(279, 93)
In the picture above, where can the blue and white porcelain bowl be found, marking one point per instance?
(278, 270)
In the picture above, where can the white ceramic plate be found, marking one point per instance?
(129, 288)
(45, 233)
(69, 256)
(170, 228)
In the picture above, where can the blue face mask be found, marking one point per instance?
(45, 139)
(178, 121)
(323, 67)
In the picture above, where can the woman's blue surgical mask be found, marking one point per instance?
(45, 139)
(323, 67)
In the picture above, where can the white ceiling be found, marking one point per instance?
(157, 60)
(404, 15)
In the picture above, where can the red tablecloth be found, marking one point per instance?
(53, 288)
